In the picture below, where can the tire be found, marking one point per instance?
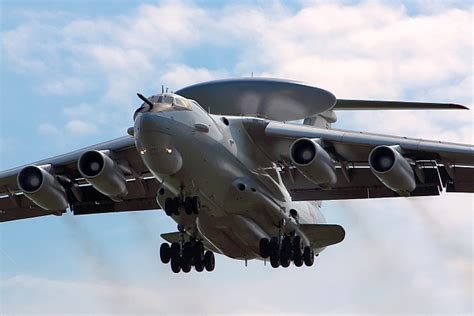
(198, 251)
(308, 256)
(298, 261)
(169, 206)
(297, 247)
(175, 265)
(187, 254)
(285, 262)
(186, 267)
(274, 261)
(286, 248)
(264, 248)
(175, 250)
(165, 253)
(199, 266)
(209, 261)
(188, 205)
(274, 247)
(176, 203)
(195, 205)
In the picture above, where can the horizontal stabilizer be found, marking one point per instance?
(323, 235)
(344, 104)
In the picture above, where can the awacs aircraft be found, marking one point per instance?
(240, 182)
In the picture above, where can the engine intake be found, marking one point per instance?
(394, 171)
(103, 174)
(313, 161)
(42, 188)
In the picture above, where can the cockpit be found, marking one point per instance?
(163, 103)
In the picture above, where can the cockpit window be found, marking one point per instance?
(165, 103)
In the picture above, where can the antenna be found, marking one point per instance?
(162, 89)
(251, 75)
(144, 99)
(166, 90)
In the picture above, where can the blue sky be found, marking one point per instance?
(69, 74)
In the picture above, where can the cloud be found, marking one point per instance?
(81, 127)
(47, 129)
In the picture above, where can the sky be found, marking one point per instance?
(70, 71)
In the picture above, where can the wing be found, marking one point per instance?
(436, 165)
(82, 197)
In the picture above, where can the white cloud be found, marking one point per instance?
(81, 127)
(48, 129)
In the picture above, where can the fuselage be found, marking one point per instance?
(193, 153)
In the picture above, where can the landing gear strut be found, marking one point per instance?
(184, 257)
(191, 205)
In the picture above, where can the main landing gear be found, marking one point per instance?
(191, 205)
(190, 254)
(285, 251)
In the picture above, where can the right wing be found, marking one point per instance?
(82, 197)
(437, 165)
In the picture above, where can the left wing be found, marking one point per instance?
(436, 165)
(82, 197)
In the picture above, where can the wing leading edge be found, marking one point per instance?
(81, 196)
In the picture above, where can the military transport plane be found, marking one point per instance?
(242, 181)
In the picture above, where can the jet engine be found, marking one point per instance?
(103, 173)
(43, 188)
(313, 161)
(394, 171)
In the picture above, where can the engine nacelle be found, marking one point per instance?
(103, 173)
(313, 161)
(43, 188)
(394, 171)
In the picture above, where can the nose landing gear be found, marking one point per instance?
(184, 257)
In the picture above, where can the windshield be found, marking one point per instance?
(165, 103)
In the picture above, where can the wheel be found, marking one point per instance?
(264, 248)
(274, 261)
(199, 266)
(175, 250)
(165, 253)
(176, 204)
(195, 205)
(198, 251)
(169, 206)
(286, 249)
(274, 247)
(175, 265)
(209, 261)
(298, 261)
(187, 254)
(308, 256)
(188, 205)
(285, 262)
(297, 247)
(186, 267)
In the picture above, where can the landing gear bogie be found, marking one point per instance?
(190, 205)
(286, 250)
(185, 256)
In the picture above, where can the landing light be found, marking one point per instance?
(169, 151)
(142, 152)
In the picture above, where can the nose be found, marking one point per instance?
(145, 122)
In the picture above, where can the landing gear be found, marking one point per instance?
(190, 254)
(191, 205)
(282, 253)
